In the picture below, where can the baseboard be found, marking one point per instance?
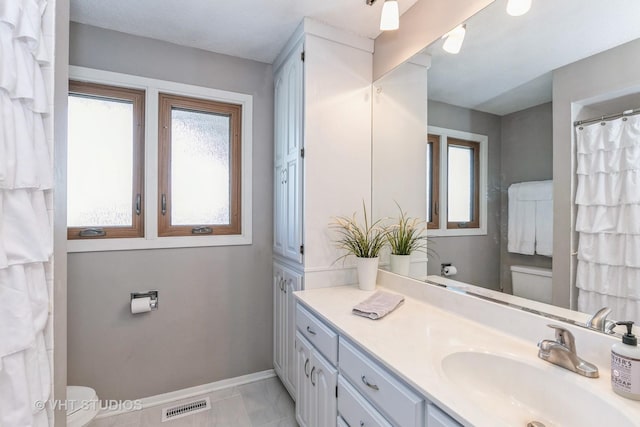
(186, 393)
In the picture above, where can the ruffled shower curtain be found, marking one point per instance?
(25, 226)
(608, 199)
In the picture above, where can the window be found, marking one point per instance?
(433, 181)
(463, 181)
(156, 164)
(456, 182)
(105, 162)
(199, 166)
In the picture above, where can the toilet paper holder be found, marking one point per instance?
(152, 295)
(443, 266)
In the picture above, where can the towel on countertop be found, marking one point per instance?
(378, 305)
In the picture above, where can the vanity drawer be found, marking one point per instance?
(322, 338)
(354, 409)
(394, 399)
(437, 418)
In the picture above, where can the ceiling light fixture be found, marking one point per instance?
(454, 38)
(390, 18)
(518, 7)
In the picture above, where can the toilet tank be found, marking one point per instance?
(531, 282)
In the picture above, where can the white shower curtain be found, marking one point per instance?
(25, 226)
(608, 222)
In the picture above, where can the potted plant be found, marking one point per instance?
(364, 242)
(404, 237)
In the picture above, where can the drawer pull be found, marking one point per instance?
(306, 365)
(312, 369)
(280, 284)
(311, 331)
(361, 423)
(368, 384)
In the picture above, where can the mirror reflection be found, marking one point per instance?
(481, 144)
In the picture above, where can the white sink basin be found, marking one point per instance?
(518, 392)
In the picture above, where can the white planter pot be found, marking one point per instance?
(367, 273)
(400, 264)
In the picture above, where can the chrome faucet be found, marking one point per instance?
(599, 321)
(562, 352)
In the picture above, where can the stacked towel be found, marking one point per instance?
(530, 225)
(378, 305)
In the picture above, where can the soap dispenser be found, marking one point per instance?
(625, 365)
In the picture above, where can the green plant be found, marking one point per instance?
(364, 241)
(408, 235)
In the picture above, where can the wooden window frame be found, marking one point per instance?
(166, 102)
(475, 147)
(434, 142)
(137, 97)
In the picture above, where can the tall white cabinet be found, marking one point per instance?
(322, 167)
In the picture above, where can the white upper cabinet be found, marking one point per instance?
(287, 237)
(322, 153)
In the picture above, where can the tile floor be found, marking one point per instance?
(263, 403)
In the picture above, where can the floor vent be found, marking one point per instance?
(185, 409)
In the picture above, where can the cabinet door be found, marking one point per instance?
(437, 418)
(280, 142)
(279, 321)
(303, 383)
(293, 79)
(293, 282)
(324, 380)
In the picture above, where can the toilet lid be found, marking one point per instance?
(77, 396)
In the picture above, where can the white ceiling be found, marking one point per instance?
(253, 29)
(505, 63)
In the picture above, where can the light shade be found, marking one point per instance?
(390, 19)
(518, 7)
(454, 38)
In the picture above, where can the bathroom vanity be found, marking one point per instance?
(443, 358)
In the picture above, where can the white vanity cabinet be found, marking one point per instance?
(316, 404)
(395, 400)
(336, 377)
(285, 282)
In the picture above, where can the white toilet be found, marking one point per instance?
(531, 282)
(82, 405)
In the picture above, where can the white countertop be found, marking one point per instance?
(412, 341)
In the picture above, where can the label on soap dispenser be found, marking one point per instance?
(625, 374)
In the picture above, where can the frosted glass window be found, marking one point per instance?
(460, 182)
(100, 162)
(104, 161)
(199, 166)
(200, 160)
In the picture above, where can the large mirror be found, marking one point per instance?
(469, 140)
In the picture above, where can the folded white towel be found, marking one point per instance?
(544, 227)
(530, 218)
(521, 224)
(534, 190)
(378, 305)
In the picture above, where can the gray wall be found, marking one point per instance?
(476, 257)
(607, 75)
(215, 316)
(527, 155)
